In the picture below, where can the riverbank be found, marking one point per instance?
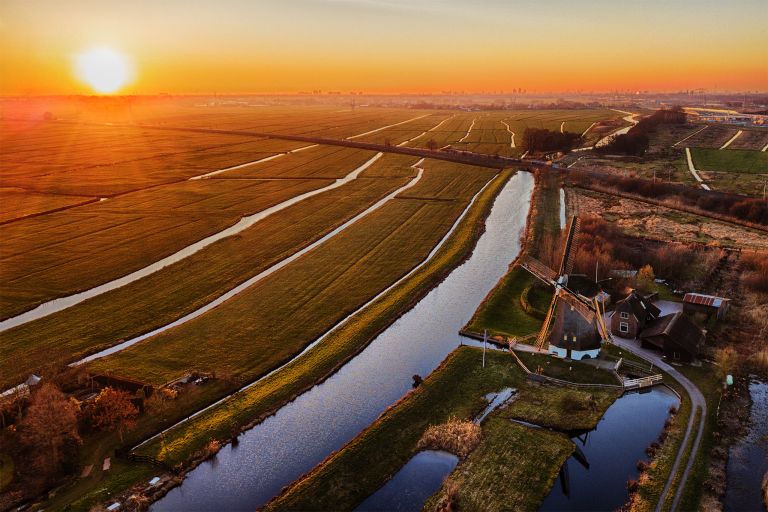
(455, 389)
(517, 305)
(252, 405)
(186, 444)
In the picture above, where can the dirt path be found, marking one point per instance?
(697, 402)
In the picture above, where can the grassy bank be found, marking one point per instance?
(516, 306)
(705, 379)
(501, 474)
(455, 389)
(251, 405)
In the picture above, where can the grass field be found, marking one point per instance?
(180, 288)
(714, 136)
(16, 203)
(490, 135)
(57, 254)
(501, 475)
(501, 461)
(253, 404)
(501, 313)
(730, 160)
(751, 139)
(301, 301)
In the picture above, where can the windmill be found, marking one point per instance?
(574, 325)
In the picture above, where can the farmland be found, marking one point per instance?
(738, 161)
(295, 309)
(249, 303)
(185, 286)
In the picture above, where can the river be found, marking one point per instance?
(748, 457)
(300, 435)
(612, 450)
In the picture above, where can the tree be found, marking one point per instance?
(49, 426)
(726, 359)
(431, 144)
(113, 410)
(645, 278)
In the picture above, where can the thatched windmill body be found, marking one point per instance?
(574, 326)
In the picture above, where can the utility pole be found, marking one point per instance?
(485, 342)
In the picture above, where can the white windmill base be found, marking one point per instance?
(576, 355)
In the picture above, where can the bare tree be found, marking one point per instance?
(49, 425)
(431, 144)
(113, 410)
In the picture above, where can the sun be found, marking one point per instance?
(104, 69)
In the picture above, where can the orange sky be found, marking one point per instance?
(381, 46)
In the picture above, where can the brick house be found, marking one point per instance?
(632, 314)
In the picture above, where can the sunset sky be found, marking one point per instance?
(379, 46)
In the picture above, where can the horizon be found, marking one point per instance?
(386, 47)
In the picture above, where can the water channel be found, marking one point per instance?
(612, 451)
(304, 432)
(748, 457)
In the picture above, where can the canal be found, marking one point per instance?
(300, 435)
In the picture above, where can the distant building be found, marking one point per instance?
(708, 304)
(632, 314)
(676, 335)
(624, 274)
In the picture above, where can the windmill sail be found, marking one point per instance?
(546, 326)
(539, 270)
(566, 262)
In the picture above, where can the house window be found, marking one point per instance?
(624, 327)
(624, 316)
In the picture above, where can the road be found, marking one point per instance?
(697, 401)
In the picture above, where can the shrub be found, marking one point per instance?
(455, 436)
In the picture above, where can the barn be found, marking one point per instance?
(676, 335)
(710, 305)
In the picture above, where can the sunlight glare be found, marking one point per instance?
(104, 69)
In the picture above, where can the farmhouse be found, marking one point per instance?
(676, 335)
(632, 314)
(708, 304)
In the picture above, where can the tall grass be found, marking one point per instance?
(456, 436)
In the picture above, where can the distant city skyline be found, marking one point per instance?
(386, 46)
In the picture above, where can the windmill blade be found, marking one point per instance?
(585, 311)
(605, 334)
(539, 270)
(566, 262)
(547, 325)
